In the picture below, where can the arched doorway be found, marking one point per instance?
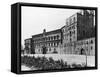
(82, 51)
(44, 50)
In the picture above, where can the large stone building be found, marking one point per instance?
(78, 27)
(47, 42)
(76, 37)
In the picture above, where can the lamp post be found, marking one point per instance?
(86, 50)
(86, 58)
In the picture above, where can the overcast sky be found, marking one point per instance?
(35, 19)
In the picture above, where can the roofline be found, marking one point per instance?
(46, 32)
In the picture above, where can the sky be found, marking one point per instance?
(35, 19)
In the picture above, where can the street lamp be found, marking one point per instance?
(86, 58)
(86, 50)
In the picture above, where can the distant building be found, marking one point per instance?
(28, 46)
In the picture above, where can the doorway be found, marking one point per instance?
(44, 50)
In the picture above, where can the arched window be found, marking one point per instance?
(91, 47)
(70, 33)
(87, 42)
(74, 19)
(57, 36)
(39, 50)
(70, 21)
(63, 30)
(47, 49)
(54, 44)
(91, 41)
(70, 39)
(48, 44)
(49, 38)
(51, 44)
(83, 32)
(57, 43)
(54, 37)
(45, 38)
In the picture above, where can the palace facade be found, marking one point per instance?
(47, 42)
